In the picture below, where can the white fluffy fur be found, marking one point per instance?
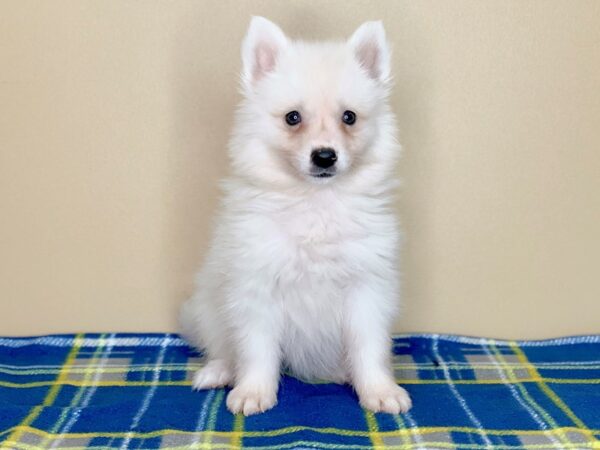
(302, 271)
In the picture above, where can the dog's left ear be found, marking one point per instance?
(371, 49)
(261, 49)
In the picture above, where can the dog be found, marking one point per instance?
(302, 271)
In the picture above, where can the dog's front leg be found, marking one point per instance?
(367, 340)
(256, 334)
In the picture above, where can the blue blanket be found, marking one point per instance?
(111, 391)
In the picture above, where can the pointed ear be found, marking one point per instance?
(372, 50)
(261, 49)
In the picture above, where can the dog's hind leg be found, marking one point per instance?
(215, 374)
(202, 333)
(202, 327)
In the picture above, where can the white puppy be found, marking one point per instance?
(302, 271)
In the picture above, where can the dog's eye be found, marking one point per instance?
(349, 117)
(293, 118)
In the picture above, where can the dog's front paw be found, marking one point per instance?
(389, 398)
(251, 399)
(216, 373)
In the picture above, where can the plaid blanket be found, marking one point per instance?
(119, 391)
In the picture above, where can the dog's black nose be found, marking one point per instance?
(323, 157)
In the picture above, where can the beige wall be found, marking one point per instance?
(114, 117)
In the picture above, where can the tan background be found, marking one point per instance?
(114, 117)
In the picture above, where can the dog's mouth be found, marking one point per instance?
(322, 173)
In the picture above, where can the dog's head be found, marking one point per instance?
(312, 112)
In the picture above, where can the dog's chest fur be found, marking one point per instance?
(319, 246)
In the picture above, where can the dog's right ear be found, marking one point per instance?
(261, 50)
(372, 50)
